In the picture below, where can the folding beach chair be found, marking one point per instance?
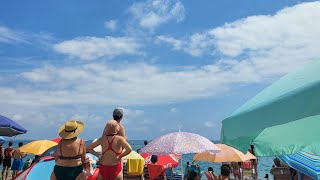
(281, 173)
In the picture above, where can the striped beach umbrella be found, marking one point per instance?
(306, 163)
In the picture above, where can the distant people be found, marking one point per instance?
(236, 169)
(254, 162)
(266, 176)
(70, 153)
(1, 152)
(17, 160)
(114, 124)
(186, 170)
(36, 158)
(210, 174)
(193, 176)
(194, 167)
(145, 142)
(225, 173)
(8, 152)
(114, 148)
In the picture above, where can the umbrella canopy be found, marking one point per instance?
(227, 154)
(10, 128)
(2, 140)
(293, 97)
(57, 140)
(37, 147)
(306, 163)
(172, 159)
(180, 143)
(133, 155)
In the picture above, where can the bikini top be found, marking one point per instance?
(110, 146)
(70, 157)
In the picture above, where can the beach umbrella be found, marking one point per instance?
(37, 147)
(57, 140)
(293, 98)
(304, 162)
(132, 155)
(172, 159)
(227, 154)
(10, 128)
(180, 143)
(2, 140)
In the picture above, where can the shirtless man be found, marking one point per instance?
(17, 161)
(114, 124)
(114, 148)
(7, 160)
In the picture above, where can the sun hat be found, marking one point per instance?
(71, 129)
(118, 112)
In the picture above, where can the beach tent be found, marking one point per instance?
(276, 112)
(10, 128)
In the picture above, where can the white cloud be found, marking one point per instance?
(89, 48)
(8, 35)
(173, 110)
(111, 24)
(153, 13)
(268, 45)
(209, 124)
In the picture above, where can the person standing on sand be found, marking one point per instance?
(114, 148)
(7, 160)
(17, 161)
(70, 154)
(114, 124)
(1, 152)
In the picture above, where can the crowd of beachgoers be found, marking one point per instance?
(72, 160)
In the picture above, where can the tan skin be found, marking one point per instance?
(121, 131)
(109, 158)
(70, 147)
(7, 168)
(17, 155)
(235, 166)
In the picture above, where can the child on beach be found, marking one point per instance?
(87, 167)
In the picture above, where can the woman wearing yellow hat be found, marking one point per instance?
(70, 153)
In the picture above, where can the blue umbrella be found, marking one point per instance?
(306, 163)
(10, 128)
(2, 140)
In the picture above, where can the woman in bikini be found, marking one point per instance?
(114, 147)
(70, 153)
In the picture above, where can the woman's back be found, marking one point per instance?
(111, 149)
(70, 152)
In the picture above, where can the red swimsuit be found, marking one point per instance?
(110, 172)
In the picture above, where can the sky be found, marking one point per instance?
(172, 65)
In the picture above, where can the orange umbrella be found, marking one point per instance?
(227, 154)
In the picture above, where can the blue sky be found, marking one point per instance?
(172, 65)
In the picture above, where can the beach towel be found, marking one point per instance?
(135, 166)
(155, 170)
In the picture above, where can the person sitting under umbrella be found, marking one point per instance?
(70, 153)
(155, 170)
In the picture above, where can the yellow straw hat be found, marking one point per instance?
(71, 129)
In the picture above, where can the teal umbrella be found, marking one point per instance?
(294, 97)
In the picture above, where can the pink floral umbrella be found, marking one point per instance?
(180, 143)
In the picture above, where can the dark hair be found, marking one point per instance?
(20, 144)
(239, 163)
(192, 175)
(145, 142)
(10, 143)
(225, 171)
(115, 117)
(252, 149)
(188, 163)
(266, 176)
(154, 159)
(210, 169)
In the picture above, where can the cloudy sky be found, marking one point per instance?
(172, 65)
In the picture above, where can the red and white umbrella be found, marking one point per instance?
(170, 159)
